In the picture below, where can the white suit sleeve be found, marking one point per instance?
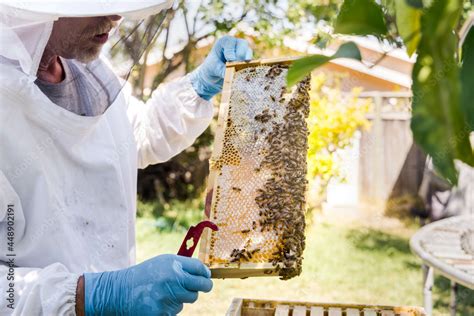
(50, 290)
(169, 122)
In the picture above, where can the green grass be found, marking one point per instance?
(342, 263)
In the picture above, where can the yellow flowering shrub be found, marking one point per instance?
(334, 118)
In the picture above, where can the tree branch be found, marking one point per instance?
(185, 15)
(196, 18)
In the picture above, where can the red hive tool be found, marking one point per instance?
(194, 233)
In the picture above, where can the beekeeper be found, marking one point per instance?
(71, 140)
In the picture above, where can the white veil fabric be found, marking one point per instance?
(23, 41)
(25, 26)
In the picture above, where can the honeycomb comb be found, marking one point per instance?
(257, 180)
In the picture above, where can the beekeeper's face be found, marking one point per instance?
(81, 38)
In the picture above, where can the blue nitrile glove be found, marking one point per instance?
(158, 286)
(208, 78)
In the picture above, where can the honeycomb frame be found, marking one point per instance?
(231, 269)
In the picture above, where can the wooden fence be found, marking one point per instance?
(390, 165)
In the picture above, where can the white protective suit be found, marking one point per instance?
(68, 182)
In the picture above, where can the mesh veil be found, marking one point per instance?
(24, 40)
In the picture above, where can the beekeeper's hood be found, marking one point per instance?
(25, 26)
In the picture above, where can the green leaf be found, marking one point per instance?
(408, 24)
(303, 66)
(438, 124)
(467, 78)
(361, 17)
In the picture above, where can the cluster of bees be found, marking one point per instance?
(282, 199)
(275, 71)
(264, 117)
(238, 255)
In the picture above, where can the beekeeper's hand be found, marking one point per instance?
(157, 286)
(208, 78)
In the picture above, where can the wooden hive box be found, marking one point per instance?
(253, 307)
(257, 183)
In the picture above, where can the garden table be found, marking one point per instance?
(446, 246)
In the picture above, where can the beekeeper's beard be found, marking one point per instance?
(87, 54)
(73, 38)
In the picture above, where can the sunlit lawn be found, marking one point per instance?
(348, 263)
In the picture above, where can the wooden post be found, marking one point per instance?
(378, 174)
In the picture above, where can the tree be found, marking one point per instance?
(265, 22)
(442, 75)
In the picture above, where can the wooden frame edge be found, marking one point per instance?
(242, 270)
(239, 65)
(239, 302)
(216, 152)
(235, 308)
